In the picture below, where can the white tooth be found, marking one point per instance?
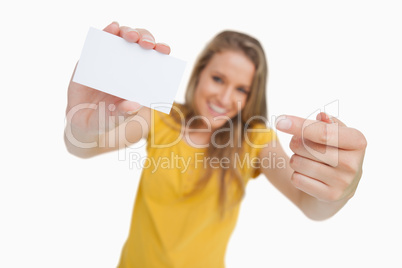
(217, 109)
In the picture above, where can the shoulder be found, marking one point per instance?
(166, 125)
(173, 118)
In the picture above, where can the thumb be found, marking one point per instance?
(128, 108)
(329, 119)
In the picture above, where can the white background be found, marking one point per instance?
(60, 211)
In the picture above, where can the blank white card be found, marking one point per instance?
(111, 64)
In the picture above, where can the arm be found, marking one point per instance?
(325, 170)
(85, 145)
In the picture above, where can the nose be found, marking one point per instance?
(226, 97)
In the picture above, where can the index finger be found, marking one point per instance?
(113, 28)
(147, 40)
(144, 38)
(334, 134)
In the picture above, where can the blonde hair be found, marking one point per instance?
(255, 107)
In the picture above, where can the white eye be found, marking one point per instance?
(217, 79)
(241, 89)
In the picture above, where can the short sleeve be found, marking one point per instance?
(256, 139)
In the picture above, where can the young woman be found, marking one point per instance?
(209, 147)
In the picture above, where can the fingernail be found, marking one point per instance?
(133, 30)
(160, 43)
(134, 111)
(148, 39)
(283, 123)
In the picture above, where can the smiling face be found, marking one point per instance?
(223, 87)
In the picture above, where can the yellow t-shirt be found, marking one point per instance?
(168, 231)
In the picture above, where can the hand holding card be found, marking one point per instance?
(123, 69)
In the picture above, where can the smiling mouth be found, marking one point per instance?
(217, 109)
